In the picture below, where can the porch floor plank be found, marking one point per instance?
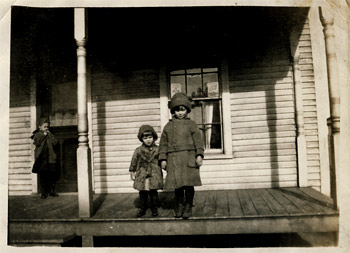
(235, 208)
(209, 205)
(302, 204)
(275, 206)
(246, 202)
(214, 212)
(166, 204)
(284, 202)
(221, 208)
(320, 207)
(259, 203)
(318, 197)
(60, 210)
(113, 211)
(199, 202)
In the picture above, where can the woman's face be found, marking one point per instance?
(180, 112)
(44, 127)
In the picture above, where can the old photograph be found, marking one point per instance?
(197, 125)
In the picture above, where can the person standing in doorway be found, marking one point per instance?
(45, 159)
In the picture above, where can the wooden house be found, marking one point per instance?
(259, 78)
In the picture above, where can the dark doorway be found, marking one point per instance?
(54, 51)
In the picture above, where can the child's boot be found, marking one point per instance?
(143, 203)
(154, 202)
(189, 192)
(179, 198)
(44, 195)
(53, 192)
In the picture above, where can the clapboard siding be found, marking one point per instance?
(120, 105)
(263, 129)
(20, 154)
(309, 107)
(217, 167)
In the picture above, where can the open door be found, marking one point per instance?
(58, 102)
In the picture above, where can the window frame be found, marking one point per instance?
(225, 109)
(186, 74)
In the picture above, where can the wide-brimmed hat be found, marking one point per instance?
(180, 99)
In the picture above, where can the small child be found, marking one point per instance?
(181, 151)
(145, 171)
(45, 159)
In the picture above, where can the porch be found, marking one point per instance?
(252, 211)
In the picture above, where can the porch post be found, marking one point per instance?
(334, 120)
(301, 140)
(83, 151)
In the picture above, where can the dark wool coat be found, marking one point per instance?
(180, 144)
(145, 163)
(44, 152)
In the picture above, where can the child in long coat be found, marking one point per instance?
(145, 171)
(45, 159)
(181, 152)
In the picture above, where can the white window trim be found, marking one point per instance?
(226, 111)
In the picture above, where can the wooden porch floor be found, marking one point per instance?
(280, 210)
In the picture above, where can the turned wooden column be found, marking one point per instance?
(333, 86)
(83, 151)
(299, 109)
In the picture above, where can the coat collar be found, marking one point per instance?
(175, 119)
(151, 148)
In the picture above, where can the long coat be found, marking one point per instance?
(45, 155)
(145, 163)
(180, 144)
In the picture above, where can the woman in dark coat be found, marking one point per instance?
(45, 159)
(181, 151)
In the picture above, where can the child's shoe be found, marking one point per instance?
(141, 212)
(53, 192)
(44, 195)
(178, 210)
(154, 212)
(187, 211)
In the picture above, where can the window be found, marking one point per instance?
(203, 86)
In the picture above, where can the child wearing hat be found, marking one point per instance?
(145, 171)
(181, 151)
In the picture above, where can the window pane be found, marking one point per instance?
(197, 116)
(210, 70)
(196, 113)
(193, 71)
(215, 137)
(177, 72)
(209, 78)
(177, 84)
(194, 86)
(212, 119)
(211, 84)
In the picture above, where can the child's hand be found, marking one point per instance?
(132, 175)
(163, 165)
(199, 161)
